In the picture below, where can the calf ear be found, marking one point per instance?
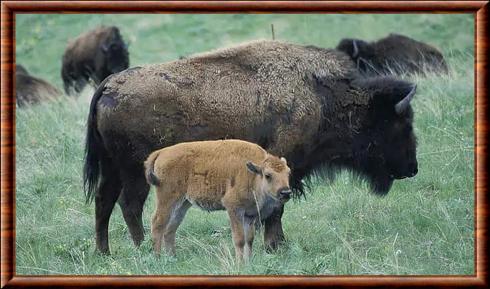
(254, 168)
(283, 159)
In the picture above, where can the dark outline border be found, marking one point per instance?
(10, 8)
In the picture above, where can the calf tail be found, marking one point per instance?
(151, 178)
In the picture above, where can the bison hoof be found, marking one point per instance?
(273, 245)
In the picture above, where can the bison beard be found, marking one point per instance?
(304, 103)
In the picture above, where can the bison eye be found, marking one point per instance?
(268, 177)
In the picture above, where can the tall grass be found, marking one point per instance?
(425, 225)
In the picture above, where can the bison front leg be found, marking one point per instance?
(273, 234)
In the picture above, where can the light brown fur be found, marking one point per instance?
(213, 175)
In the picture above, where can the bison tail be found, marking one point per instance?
(94, 149)
(151, 178)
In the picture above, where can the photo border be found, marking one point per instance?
(8, 10)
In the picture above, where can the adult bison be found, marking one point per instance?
(94, 55)
(305, 103)
(395, 53)
(30, 89)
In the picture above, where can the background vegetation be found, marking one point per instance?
(425, 225)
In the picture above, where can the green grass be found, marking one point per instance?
(425, 225)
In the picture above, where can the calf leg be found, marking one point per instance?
(133, 197)
(105, 199)
(237, 233)
(165, 203)
(273, 234)
(176, 217)
(249, 232)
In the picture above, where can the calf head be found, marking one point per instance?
(387, 141)
(273, 177)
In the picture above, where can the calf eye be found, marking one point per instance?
(268, 177)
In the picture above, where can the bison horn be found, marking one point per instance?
(402, 105)
(355, 51)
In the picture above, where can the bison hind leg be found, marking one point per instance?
(134, 193)
(105, 199)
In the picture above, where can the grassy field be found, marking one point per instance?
(425, 225)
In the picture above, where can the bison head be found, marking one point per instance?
(361, 52)
(393, 54)
(114, 52)
(387, 141)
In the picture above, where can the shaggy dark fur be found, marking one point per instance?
(30, 89)
(93, 56)
(394, 54)
(305, 103)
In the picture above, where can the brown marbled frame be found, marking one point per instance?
(8, 10)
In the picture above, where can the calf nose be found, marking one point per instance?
(286, 194)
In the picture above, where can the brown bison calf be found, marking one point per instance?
(30, 89)
(237, 176)
(396, 54)
(94, 55)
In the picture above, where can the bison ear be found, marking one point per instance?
(283, 159)
(254, 168)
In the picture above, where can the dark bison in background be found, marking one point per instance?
(94, 55)
(30, 89)
(394, 54)
(305, 103)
